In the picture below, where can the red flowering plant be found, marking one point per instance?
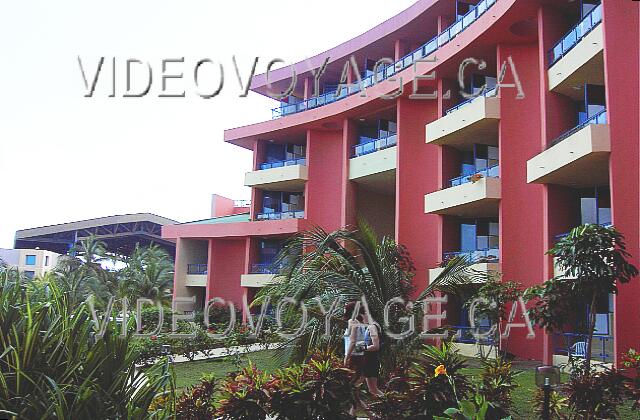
(197, 402)
(631, 363)
(242, 395)
(320, 389)
(434, 383)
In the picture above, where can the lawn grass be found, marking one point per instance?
(189, 373)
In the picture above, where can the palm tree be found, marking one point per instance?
(345, 266)
(81, 273)
(148, 274)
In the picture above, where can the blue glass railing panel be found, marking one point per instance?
(490, 172)
(475, 335)
(456, 28)
(197, 269)
(281, 163)
(490, 255)
(296, 214)
(599, 118)
(487, 94)
(265, 268)
(388, 71)
(370, 145)
(573, 37)
(469, 18)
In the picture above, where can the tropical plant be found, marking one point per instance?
(498, 380)
(196, 403)
(476, 409)
(242, 395)
(596, 260)
(631, 363)
(52, 365)
(557, 404)
(320, 389)
(433, 383)
(319, 268)
(492, 300)
(148, 274)
(594, 395)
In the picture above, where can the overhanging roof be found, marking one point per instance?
(121, 233)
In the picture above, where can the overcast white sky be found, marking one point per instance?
(64, 157)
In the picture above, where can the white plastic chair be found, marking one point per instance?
(579, 349)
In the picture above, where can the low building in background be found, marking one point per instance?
(31, 262)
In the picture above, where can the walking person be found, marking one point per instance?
(362, 346)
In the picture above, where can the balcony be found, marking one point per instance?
(374, 163)
(261, 275)
(479, 197)
(285, 215)
(386, 72)
(485, 262)
(577, 59)
(289, 175)
(196, 275)
(369, 145)
(578, 158)
(468, 123)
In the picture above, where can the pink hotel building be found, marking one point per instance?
(496, 174)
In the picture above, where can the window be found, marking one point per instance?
(46, 260)
(29, 274)
(30, 260)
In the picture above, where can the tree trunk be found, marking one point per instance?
(592, 325)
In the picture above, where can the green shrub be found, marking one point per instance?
(557, 404)
(197, 402)
(476, 409)
(320, 389)
(498, 381)
(242, 396)
(433, 384)
(631, 363)
(594, 395)
(53, 366)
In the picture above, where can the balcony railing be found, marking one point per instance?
(386, 72)
(197, 269)
(565, 234)
(298, 214)
(599, 118)
(488, 94)
(570, 40)
(575, 345)
(477, 335)
(265, 268)
(489, 255)
(241, 203)
(281, 163)
(371, 145)
(490, 172)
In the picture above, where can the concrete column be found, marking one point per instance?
(522, 225)
(400, 49)
(308, 87)
(349, 190)
(416, 175)
(325, 190)
(557, 116)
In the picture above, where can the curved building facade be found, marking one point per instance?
(483, 128)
